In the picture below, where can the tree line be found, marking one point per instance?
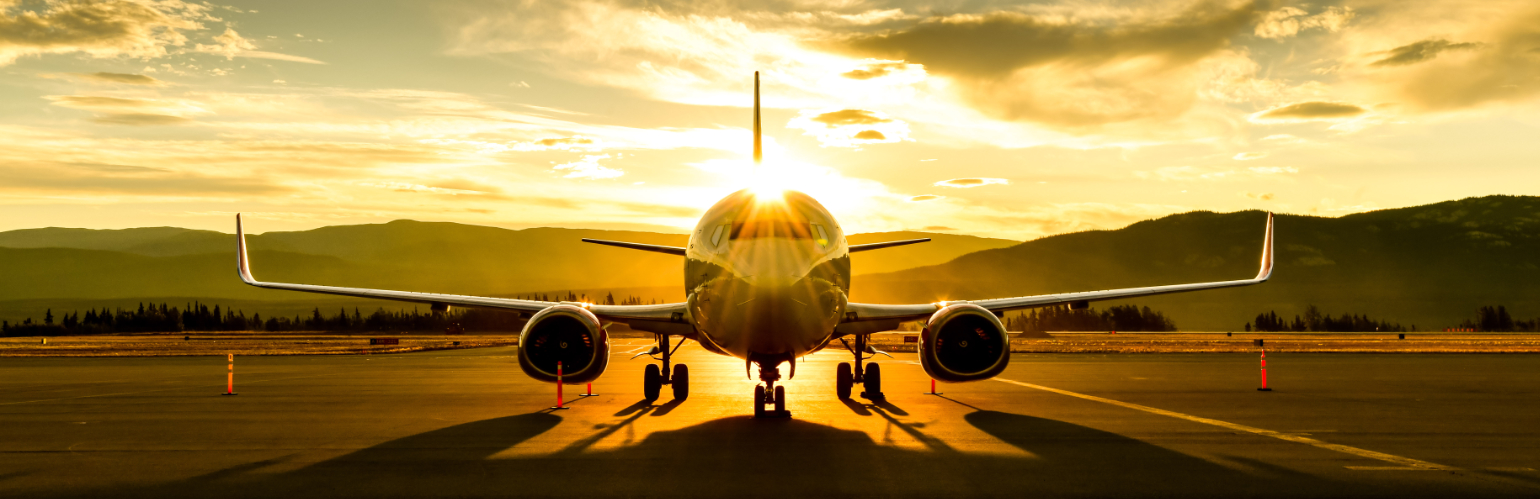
(198, 316)
(1118, 318)
(1314, 320)
(1496, 319)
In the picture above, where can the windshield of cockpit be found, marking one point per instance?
(771, 222)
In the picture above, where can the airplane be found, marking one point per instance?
(767, 280)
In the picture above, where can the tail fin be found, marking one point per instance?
(758, 152)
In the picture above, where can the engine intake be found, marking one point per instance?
(568, 334)
(964, 342)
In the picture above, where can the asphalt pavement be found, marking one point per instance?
(468, 423)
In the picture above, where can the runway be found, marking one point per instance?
(467, 423)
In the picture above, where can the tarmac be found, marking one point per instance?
(468, 423)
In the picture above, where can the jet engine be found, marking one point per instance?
(964, 342)
(568, 334)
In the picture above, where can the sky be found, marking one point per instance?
(1000, 119)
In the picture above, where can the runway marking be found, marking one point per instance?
(1405, 462)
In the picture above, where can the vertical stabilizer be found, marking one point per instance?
(758, 152)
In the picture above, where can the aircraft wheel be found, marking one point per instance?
(681, 382)
(759, 401)
(780, 400)
(652, 382)
(873, 382)
(843, 381)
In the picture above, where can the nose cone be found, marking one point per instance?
(774, 263)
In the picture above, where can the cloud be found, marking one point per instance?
(140, 119)
(1420, 51)
(1195, 174)
(1433, 79)
(849, 117)
(589, 168)
(128, 111)
(938, 227)
(559, 143)
(924, 197)
(231, 45)
(1309, 111)
(123, 78)
(99, 28)
(881, 69)
(965, 183)
(1265, 196)
(1289, 21)
(850, 127)
(1248, 156)
(1066, 71)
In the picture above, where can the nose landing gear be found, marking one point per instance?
(769, 394)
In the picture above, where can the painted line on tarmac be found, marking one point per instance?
(1405, 462)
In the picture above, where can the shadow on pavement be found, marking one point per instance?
(742, 456)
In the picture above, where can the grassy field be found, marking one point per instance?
(318, 343)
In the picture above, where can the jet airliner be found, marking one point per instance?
(766, 277)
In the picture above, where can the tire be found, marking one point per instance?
(681, 382)
(843, 381)
(652, 382)
(759, 401)
(780, 400)
(873, 383)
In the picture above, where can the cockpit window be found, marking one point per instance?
(822, 236)
(716, 236)
(771, 228)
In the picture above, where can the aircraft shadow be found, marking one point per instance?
(745, 457)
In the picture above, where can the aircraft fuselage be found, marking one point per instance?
(767, 275)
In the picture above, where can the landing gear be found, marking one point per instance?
(869, 378)
(681, 382)
(843, 380)
(873, 382)
(652, 382)
(654, 377)
(768, 393)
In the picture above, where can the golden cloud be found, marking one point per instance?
(1069, 73)
(99, 28)
(1420, 51)
(924, 197)
(965, 183)
(140, 119)
(123, 78)
(1308, 111)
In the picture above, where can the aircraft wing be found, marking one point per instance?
(858, 313)
(668, 312)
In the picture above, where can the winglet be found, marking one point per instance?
(242, 265)
(758, 152)
(1267, 252)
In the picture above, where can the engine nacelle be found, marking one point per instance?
(568, 334)
(964, 342)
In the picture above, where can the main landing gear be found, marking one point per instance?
(769, 394)
(654, 377)
(869, 378)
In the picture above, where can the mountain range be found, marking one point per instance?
(1429, 266)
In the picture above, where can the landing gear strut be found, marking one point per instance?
(870, 378)
(676, 376)
(770, 394)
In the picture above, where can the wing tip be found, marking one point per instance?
(1267, 252)
(242, 262)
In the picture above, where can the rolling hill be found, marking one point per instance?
(70, 265)
(1427, 265)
